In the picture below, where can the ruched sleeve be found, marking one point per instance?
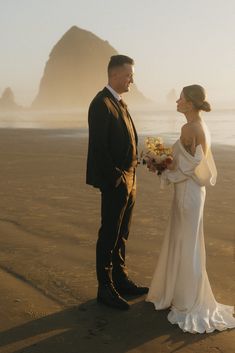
(200, 167)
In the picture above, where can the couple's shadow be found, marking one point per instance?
(93, 328)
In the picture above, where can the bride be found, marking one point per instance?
(180, 280)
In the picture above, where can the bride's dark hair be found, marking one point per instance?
(197, 95)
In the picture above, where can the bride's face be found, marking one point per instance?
(183, 106)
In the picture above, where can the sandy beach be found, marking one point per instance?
(49, 220)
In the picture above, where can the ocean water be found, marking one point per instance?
(166, 124)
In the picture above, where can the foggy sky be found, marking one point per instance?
(173, 43)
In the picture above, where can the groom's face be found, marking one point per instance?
(122, 77)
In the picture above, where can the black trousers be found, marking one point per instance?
(116, 212)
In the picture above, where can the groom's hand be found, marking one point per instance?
(118, 181)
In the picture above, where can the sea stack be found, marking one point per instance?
(76, 71)
(7, 101)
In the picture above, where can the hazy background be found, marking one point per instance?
(173, 43)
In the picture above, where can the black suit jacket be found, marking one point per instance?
(109, 141)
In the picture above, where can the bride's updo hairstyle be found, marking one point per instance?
(197, 95)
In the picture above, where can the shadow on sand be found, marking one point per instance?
(91, 328)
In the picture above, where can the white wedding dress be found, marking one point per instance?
(180, 280)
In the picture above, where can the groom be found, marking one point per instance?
(111, 167)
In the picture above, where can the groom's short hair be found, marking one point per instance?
(119, 60)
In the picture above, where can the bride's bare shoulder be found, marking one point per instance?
(188, 138)
(193, 135)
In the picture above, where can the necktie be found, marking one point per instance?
(123, 104)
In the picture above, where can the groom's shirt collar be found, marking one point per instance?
(114, 93)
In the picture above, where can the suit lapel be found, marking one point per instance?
(117, 108)
(116, 105)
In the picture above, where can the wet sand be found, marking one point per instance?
(48, 228)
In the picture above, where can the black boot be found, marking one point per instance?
(108, 295)
(128, 287)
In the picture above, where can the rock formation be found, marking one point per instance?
(76, 71)
(7, 101)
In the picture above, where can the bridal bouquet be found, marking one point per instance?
(156, 156)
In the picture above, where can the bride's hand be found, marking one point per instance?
(170, 163)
